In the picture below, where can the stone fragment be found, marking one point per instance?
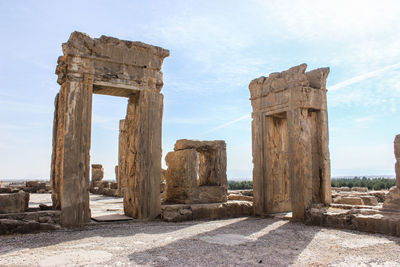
(359, 189)
(97, 173)
(369, 200)
(348, 200)
(14, 202)
(182, 212)
(196, 172)
(239, 197)
(392, 201)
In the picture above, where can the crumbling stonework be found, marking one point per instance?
(392, 201)
(290, 141)
(113, 67)
(196, 172)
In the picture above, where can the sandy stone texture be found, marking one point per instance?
(233, 242)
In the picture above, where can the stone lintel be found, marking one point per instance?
(199, 145)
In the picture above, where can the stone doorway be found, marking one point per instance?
(291, 166)
(113, 67)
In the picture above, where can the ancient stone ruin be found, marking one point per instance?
(289, 145)
(112, 67)
(290, 141)
(392, 201)
(196, 172)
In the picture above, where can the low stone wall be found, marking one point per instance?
(212, 211)
(28, 222)
(360, 219)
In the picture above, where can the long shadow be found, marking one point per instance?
(14, 242)
(252, 241)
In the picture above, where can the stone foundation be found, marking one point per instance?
(362, 219)
(213, 211)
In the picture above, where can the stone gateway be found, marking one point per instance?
(290, 141)
(113, 67)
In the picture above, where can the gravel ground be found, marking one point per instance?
(232, 242)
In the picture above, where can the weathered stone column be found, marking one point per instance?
(75, 186)
(300, 166)
(257, 127)
(122, 146)
(397, 156)
(143, 155)
(325, 163)
(54, 174)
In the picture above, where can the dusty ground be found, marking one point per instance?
(99, 205)
(232, 242)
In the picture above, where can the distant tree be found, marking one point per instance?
(376, 183)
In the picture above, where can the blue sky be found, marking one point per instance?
(216, 49)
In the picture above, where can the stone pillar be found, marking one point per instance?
(97, 174)
(325, 162)
(392, 201)
(143, 155)
(54, 174)
(122, 146)
(397, 156)
(75, 209)
(257, 126)
(300, 163)
(71, 147)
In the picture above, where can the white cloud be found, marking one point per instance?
(334, 19)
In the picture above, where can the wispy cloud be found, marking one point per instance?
(244, 117)
(363, 77)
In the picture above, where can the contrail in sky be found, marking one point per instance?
(337, 86)
(363, 77)
(229, 123)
